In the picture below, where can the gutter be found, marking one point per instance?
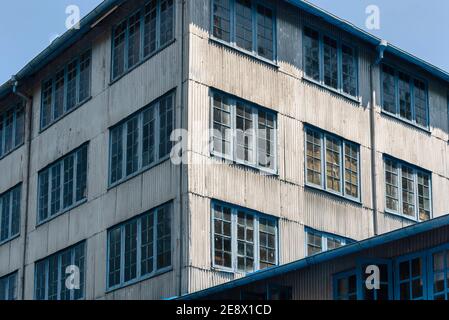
(29, 105)
(380, 50)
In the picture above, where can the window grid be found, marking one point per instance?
(243, 133)
(408, 190)
(411, 279)
(63, 185)
(405, 97)
(138, 250)
(439, 277)
(330, 62)
(12, 128)
(345, 286)
(141, 35)
(141, 141)
(338, 159)
(243, 241)
(245, 24)
(66, 89)
(10, 214)
(50, 275)
(8, 287)
(317, 241)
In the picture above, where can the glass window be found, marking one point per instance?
(349, 70)
(145, 242)
(8, 287)
(439, 276)
(411, 279)
(330, 62)
(345, 286)
(237, 243)
(67, 89)
(52, 276)
(317, 241)
(312, 54)
(131, 46)
(405, 97)
(247, 24)
(132, 143)
(385, 282)
(339, 159)
(59, 187)
(12, 128)
(243, 132)
(10, 214)
(412, 196)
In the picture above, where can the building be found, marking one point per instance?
(412, 263)
(351, 143)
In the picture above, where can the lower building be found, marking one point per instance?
(407, 264)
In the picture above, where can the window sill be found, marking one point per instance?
(403, 217)
(12, 151)
(42, 129)
(353, 99)
(317, 189)
(9, 239)
(258, 170)
(136, 281)
(162, 48)
(266, 61)
(404, 121)
(78, 204)
(137, 173)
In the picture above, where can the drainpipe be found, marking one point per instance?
(380, 50)
(28, 108)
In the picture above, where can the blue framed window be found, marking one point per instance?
(66, 89)
(439, 275)
(12, 128)
(140, 248)
(52, 273)
(385, 291)
(246, 24)
(142, 140)
(345, 286)
(408, 190)
(411, 278)
(8, 287)
(332, 163)
(62, 185)
(10, 214)
(405, 96)
(317, 241)
(141, 35)
(330, 62)
(243, 133)
(243, 241)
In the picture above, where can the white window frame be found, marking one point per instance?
(324, 237)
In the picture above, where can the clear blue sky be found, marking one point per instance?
(417, 26)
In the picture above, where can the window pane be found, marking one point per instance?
(130, 251)
(53, 277)
(167, 12)
(71, 85)
(119, 50)
(314, 244)
(333, 160)
(47, 101)
(245, 242)
(116, 154)
(244, 24)
(222, 20)
(41, 280)
(222, 125)
(132, 146)
(134, 40)
(114, 256)
(388, 89)
(8, 130)
(59, 94)
(85, 75)
(330, 62)
(421, 109)
(392, 185)
(5, 216)
(311, 54)
(147, 249)
(166, 121)
(265, 32)
(55, 205)
(313, 157)
(150, 28)
(81, 174)
(15, 214)
(68, 180)
(222, 236)
(43, 195)
(163, 241)
(80, 263)
(408, 192)
(12, 291)
(244, 133)
(405, 104)
(20, 126)
(351, 170)
(149, 132)
(349, 68)
(333, 244)
(265, 137)
(267, 243)
(424, 196)
(66, 260)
